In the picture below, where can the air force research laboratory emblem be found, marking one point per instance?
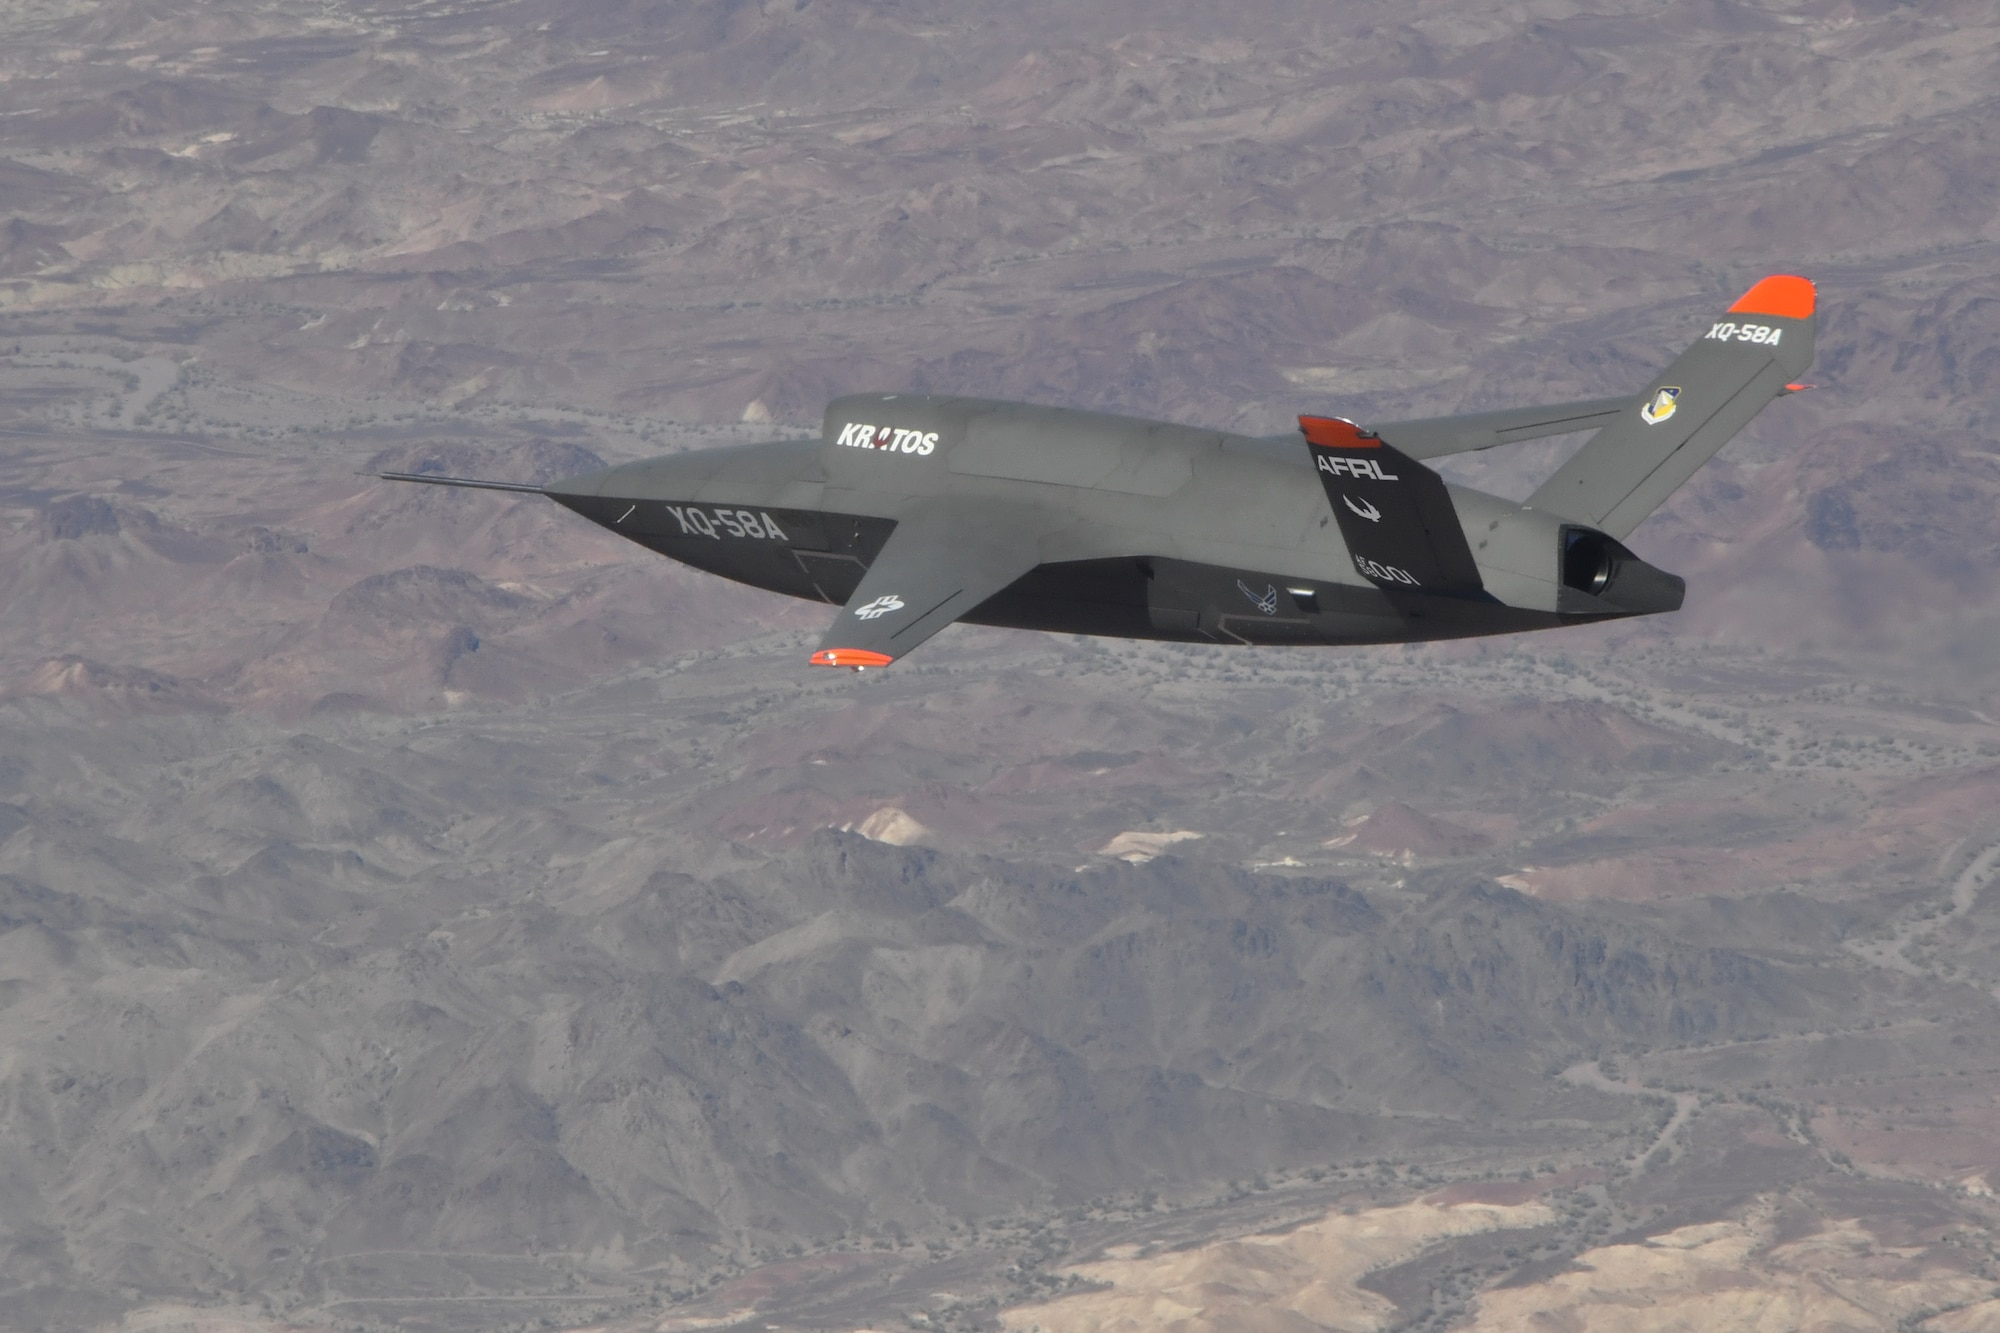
(1662, 405)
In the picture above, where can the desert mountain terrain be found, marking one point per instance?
(419, 909)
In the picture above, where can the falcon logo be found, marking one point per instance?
(1364, 509)
(1662, 405)
(878, 608)
(1268, 603)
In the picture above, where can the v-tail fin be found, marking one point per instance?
(1395, 514)
(1748, 357)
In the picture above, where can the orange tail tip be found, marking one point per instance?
(1780, 296)
(849, 657)
(1337, 433)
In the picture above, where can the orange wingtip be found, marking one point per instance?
(1336, 433)
(1780, 296)
(850, 657)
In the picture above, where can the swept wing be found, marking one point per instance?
(937, 565)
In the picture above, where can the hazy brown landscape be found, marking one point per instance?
(419, 909)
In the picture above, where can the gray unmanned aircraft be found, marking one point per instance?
(913, 511)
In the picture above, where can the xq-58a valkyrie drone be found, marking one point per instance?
(913, 511)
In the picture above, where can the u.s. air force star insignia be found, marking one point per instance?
(1661, 405)
(878, 608)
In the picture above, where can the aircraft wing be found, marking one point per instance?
(935, 567)
(1435, 437)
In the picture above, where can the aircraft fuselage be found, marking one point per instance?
(910, 512)
(1147, 530)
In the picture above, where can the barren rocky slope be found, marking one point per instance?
(418, 908)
